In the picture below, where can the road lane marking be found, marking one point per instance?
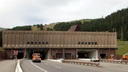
(38, 66)
(58, 67)
(79, 67)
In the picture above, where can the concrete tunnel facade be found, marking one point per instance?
(60, 44)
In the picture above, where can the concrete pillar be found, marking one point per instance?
(24, 53)
(11, 52)
(98, 52)
(50, 53)
(76, 54)
(115, 54)
(109, 52)
(63, 53)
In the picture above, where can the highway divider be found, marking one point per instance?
(82, 63)
(18, 68)
(112, 61)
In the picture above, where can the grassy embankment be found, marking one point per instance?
(1, 49)
(122, 47)
(34, 28)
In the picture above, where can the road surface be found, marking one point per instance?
(7, 66)
(49, 66)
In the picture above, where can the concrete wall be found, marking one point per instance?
(2, 55)
(93, 54)
(58, 39)
(47, 55)
(63, 51)
(107, 51)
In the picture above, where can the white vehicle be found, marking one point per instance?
(94, 59)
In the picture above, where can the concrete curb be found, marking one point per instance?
(55, 60)
(18, 68)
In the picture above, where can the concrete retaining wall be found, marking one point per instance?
(2, 55)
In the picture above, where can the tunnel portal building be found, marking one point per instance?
(60, 44)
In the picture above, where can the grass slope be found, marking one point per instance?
(52, 24)
(34, 28)
(122, 47)
(49, 26)
(1, 49)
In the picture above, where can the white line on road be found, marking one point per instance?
(38, 67)
(58, 67)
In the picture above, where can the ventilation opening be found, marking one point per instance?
(102, 56)
(20, 54)
(82, 55)
(43, 53)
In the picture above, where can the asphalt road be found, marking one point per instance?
(49, 66)
(7, 66)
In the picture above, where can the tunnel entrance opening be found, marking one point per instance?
(43, 53)
(20, 54)
(87, 53)
(83, 55)
(102, 56)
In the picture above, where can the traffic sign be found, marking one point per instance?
(15, 52)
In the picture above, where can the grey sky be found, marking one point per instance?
(28, 12)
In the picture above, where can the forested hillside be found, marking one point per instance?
(110, 23)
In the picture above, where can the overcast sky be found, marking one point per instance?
(29, 12)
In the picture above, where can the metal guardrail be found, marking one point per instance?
(118, 62)
(82, 63)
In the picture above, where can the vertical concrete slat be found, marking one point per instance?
(26, 38)
(116, 39)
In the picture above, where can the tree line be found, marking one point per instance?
(111, 23)
(115, 22)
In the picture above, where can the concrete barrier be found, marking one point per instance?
(118, 62)
(55, 60)
(18, 68)
(82, 63)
